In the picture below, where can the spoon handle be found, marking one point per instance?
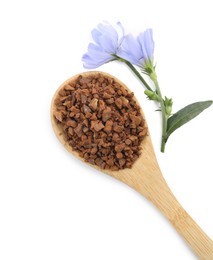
(193, 234)
(158, 192)
(199, 241)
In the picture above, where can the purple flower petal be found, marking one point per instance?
(147, 44)
(137, 50)
(95, 35)
(131, 50)
(95, 57)
(107, 41)
(108, 30)
(92, 63)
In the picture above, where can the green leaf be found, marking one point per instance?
(185, 115)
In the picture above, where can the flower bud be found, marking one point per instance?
(152, 95)
(168, 106)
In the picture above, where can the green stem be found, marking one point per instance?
(161, 101)
(134, 70)
(164, 117)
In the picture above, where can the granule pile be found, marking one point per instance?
(101, 121)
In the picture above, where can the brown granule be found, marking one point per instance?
(101, 121)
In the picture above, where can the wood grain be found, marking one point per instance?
(145, 177)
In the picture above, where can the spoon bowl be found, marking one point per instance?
(145, 177)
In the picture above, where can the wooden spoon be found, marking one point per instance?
(145, 177)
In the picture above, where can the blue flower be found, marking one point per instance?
(138, 51)
(107, 43)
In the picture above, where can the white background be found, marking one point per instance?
(55, 207)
